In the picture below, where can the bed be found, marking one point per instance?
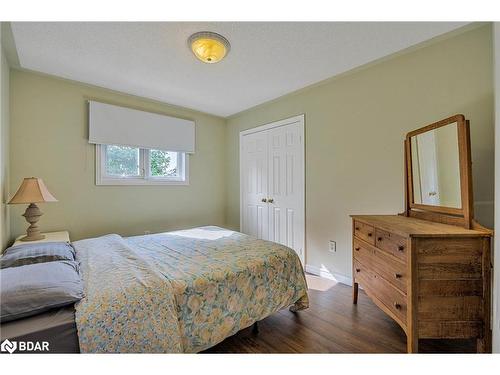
(180, 292)
(57, 326)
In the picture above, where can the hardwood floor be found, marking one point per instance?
(332, 324)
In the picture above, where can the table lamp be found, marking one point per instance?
(32, 191)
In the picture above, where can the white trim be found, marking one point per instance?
(496, 248)
(272, 125)
(101, 180)
(322, 272)
(288, 121)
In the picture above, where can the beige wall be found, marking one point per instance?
(355, 126)
(49, 140)
(4, 148)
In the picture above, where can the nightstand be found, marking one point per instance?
(62, 236)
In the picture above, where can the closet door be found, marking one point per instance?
(254, 184)
(286, 186)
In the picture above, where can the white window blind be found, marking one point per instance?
(114, 125)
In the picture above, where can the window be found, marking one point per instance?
(125, 165)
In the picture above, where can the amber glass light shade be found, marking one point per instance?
(209, 47)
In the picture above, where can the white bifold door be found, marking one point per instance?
(272, 183)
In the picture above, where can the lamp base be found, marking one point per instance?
(32, 215)
(32, 238)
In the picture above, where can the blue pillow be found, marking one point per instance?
(35, 288)
(32, 253)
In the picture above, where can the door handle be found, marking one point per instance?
(270, 200)
(264, 200)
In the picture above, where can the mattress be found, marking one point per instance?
(182, 291)
(57, 327)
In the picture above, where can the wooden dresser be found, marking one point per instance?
(433, 279)
(429, 268)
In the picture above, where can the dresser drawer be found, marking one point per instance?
(392, 243)
(364, 231)
(390, 269)
(377, 287)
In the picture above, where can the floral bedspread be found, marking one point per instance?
(182, 291)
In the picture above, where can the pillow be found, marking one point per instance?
(34, 288)
(24, 254)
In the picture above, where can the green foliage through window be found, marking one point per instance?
(122, 161)
(163, 163)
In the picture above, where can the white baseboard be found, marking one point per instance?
(328, 275)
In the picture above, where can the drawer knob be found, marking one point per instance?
(398, 275)
(358, 270)
(397, 306)
(356, 248)
(357, 228)
(401, 247)
(379, 239)
(369, 234)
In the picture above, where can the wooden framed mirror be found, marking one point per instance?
(438, 173)
(414, 267)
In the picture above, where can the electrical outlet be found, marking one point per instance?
(147, 232)
(333, 246)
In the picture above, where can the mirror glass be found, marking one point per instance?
(436, 167)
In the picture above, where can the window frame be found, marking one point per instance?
(101, 178)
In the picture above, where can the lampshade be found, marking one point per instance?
(209, 47)
(32, 190)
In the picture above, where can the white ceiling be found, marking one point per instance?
(267, 60)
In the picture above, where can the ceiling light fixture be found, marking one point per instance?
(209, 47)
